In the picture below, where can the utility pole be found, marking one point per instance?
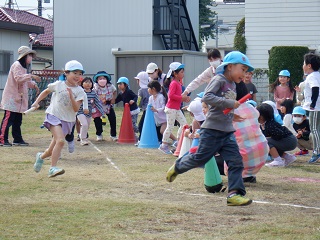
(217, 31)
(10, 3)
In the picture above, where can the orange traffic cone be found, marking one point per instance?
(126, 134)
(177, 151)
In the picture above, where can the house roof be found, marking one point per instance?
(24, 17)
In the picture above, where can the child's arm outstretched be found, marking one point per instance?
(41, 96)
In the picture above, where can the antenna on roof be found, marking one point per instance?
(10, 4)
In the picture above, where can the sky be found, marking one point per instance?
(30, 6)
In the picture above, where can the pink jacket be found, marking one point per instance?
(15, 93)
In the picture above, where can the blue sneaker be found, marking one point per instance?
(165, 149)
(38, 164)
(314, 158)
(55, 171)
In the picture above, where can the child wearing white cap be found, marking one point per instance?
(155, 73)
(66, 99)
(217, 131)
(172, 109)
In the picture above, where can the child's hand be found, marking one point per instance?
(237, 118)
(297, 89)
(153, 109)
(86, 111)
(236, 104)
(131, 102)
(70, 92)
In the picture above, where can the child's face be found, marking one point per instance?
(236, 72)
(298, 119)
(152, 91)
(307, 68)
(283, 80)
(87, 85)
(121, 86)
(283, 109)
(179, 76)
(205, 108)
(102, 81)
(248, 77)
(74, 77)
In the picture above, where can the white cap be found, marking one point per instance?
(196, 108)
(73, 65)
(173, 67)
(151, 67)
(143, 78)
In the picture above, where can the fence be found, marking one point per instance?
(47, 76)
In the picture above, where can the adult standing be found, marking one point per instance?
(15, 96)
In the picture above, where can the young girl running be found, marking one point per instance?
(85, 118)
(172, 109)
(158, 100)
(282, 89)
(61, 114)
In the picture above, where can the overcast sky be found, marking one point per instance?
(30, 6)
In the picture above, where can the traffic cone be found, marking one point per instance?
(126, 134)
(177, 151)
(212, 177)
(185, 147)
(149, 137)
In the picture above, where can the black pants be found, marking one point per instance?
(140, 126)
(13, 119)
(98, 124)
(70, 137)
(113, 122)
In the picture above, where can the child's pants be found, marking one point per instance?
(85, 123)
(98, 124)
(314, 119)
(172, 115)
(113, 122)
(285, 144)
(210, 142)
(303, 144)
(134, 119)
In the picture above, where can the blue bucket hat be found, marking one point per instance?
(123, 80)
(234, 57)
(284, 73)
(299, 111)
(102, 73)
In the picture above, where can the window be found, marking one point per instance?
(6, 59)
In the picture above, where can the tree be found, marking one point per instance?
(206, 18)
(240, 39)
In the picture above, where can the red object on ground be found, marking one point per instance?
(126, 134)
(177, 151)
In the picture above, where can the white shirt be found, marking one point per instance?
(60, 104)
(312, 80)
(159, 104)
(288, 123)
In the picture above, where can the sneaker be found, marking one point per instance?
(251, 179)
(99, 137)
(114, 138)
(165, 149)
(238, 200)
(84, 142)
(171, 174)
(71, 147)
(137, 143)
(314, 158)
(302, 152)
(55, 171)
(289, 158)
(21, 143)
(78, 138)
(275, 163)
(6, 144)
(174, 144)
(38, 164)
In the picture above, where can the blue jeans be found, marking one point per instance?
(210, 142)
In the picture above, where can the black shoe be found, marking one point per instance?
(21, 143)
(6, 144)
(251, 179)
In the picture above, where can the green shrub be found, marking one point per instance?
(289, 58)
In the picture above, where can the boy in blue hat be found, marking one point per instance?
(216, 134)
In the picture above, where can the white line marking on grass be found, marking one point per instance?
(205, 195)
(109, 160)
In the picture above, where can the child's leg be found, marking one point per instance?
(171, 117)
(163, 128)
(134, 118)
(141, 122)
(182, 121)
(78, 126)
(113, 122)
(98, 124)
(84, 126)
(314, 119)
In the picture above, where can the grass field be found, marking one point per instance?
(118, 191)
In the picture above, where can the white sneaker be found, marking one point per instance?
(84, 142)
(114, 138)
(99, 137)
(275, 163)
(71, 147)
(289, 158)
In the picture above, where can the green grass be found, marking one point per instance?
(121, 193)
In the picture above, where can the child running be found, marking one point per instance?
(158, 100)
(85, 117)
(61, 114)
(216, 134)
(172, 109)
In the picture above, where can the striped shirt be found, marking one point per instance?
(94, 104)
